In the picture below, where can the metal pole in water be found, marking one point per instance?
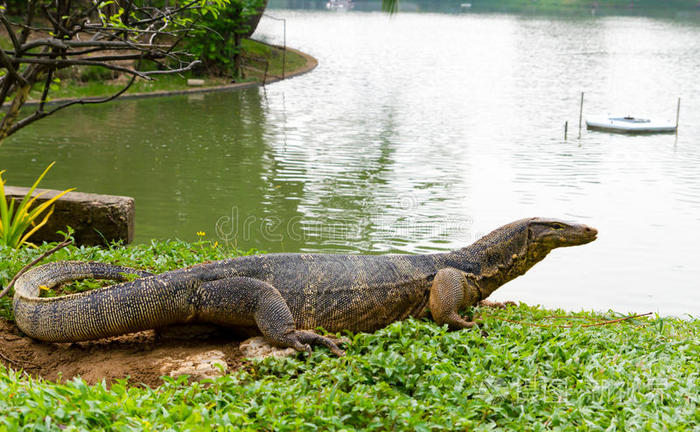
(580, 117)
(284, 53)
(678, 113)
(284, 39)
(566, 128)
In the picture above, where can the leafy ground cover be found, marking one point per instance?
(637, 374)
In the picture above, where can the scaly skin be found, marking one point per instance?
(281, 295)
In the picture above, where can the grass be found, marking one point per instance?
(413, 375)
(96, 82)
(274, 56)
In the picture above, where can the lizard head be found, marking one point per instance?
(554, 233)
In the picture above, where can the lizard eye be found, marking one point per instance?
(557, 226)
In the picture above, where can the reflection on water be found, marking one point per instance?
(419, 133)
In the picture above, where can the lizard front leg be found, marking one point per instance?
(451, 291)
(241, 301)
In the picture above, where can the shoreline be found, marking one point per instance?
(311, 63)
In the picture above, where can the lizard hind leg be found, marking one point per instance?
(275, 321)
(451, 291)
(244, 301)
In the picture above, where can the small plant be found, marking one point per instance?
(16, 219)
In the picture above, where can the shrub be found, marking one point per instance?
(217, 39)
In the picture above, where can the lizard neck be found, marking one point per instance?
(498, 257)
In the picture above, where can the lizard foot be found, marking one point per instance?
(494, 304)
(301, 340)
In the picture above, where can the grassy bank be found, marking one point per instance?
(91, 81)
(414, 375)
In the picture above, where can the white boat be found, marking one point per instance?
(339, 4)
(629, 124)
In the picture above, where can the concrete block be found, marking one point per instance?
(96, 219)
(193, 82)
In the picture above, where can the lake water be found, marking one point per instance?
(419, 133)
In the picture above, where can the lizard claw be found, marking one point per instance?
(304, 339)
(494, 304)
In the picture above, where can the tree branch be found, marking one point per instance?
(10, 32)
(37, 115)
(172, 71)
(61, 63)
(45, 92)
(26, 28)
(11, 70)
(65, 44)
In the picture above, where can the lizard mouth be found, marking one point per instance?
(588, 234)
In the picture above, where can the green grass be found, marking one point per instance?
(273, 56)
(413, 375)
(96, 82)
(74, 89)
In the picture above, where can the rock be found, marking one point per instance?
(206, 365)
(258, 348)
(193, 82)
(96, 219)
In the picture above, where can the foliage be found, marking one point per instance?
(16, 220)
(50, 35)
(412, 375)
(216, 40)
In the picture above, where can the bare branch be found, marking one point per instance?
(64, 44)
(61, 63)
(167, 14)
(172, 71)
(7, 85)
(39, 115)
(10, 32)
(45, 92)
(26, 28)
(11, 70)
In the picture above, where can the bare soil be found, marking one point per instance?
(137, 356)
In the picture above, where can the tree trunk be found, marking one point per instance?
(237, 55)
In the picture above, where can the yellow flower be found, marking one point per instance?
(43, 287)
(201, 233)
